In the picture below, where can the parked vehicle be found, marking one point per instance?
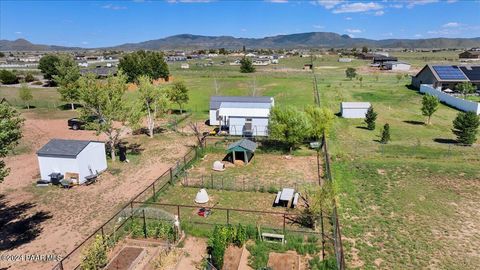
(77, 123)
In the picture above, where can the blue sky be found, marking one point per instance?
(106, 23)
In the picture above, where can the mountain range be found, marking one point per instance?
(301, 40)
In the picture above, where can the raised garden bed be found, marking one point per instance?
(128, 258)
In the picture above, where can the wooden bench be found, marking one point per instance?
(277, 199)
(295, 200)
(273, 236)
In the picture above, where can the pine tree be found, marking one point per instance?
(246, 66)
(385, 134)
(465, 126)
(370, 118)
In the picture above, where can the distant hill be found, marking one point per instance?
(25, 45)
(301, 40)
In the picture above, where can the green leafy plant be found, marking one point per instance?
(465, 127)
(95, 255)
(385, 134)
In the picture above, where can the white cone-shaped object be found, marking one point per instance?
(202, 196)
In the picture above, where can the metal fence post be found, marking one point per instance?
(171, 175)
(228, 216)
(284, 221)
(144, 224)
(153, 185)
(178, 212)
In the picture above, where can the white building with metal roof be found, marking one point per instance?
(243, 116)
(79, 158)
(354, 109)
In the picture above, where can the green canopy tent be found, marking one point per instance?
(243, 150)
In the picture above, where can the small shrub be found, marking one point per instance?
(272, 189)
(29, 77)
(95, 255)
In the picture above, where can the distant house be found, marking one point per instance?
(81, 159)
(344, 60)
(184, 66)
(354, 109)
(244, 116)
(250, 55)
(469, 55)
(380, 59)
(261, 62)
(447, 76)
(100, 72)
(396, 66)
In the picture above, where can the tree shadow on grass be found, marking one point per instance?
(19, 224)
(413, 122)
(68, 106)
(362, 127)
(445, 141)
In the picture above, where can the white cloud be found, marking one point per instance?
(389, 34)
(353, 31)
(418, 35)
(350, 35)
(397, 6)
(451, 1)
(114, 7)
(357, 7)
(84, 42)
(379, 13)
(328, 4)
(318, 26)
(348, 18)
(243, 30)
(412, 3)
(18, 33)
(277, 1)
(451, 25)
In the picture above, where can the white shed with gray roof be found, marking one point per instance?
(354, 109)
(242, 115)
(83, 158)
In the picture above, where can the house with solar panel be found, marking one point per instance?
(241, 115)
(447, 76)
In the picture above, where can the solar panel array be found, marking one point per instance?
(449, 73)
(473, 73)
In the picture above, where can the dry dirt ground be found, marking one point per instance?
(52, 220)
(195, 249)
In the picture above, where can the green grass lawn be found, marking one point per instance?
(410, 203)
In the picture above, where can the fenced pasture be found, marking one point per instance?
(267, 171)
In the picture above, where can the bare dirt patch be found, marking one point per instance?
(195, 249)
(284, 261)
(63, 218)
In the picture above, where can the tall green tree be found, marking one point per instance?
(429, 106)
(178, 94)
(350, 73)
(317, 199)
(47, 65)
(152, 101)
(25, 94)
(66, 78)
(364, 49)
(288, 125)
(370, 118)
(320, 121)
(151, 64)
(8, 77)
(10, 133)
(385, 134)
(466, 88)
(465, 127)
(106, 101)
(246, 65)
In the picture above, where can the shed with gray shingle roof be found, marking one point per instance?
(75, 157)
